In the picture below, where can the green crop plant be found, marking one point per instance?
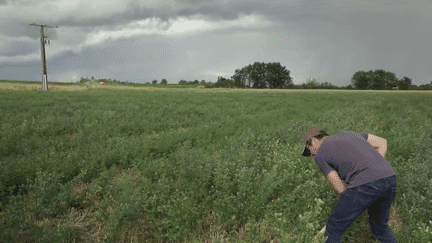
(134, 163)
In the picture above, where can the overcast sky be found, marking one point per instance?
(143, 40)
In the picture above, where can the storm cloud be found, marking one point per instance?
(140, 41)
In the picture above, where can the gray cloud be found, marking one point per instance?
(311, 38)
(133, 12)
(18, 48)
(224, 12)
(123, 59)
(21, 28)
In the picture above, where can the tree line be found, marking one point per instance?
(262, 75)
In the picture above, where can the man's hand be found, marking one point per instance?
(336, 183)
(332, 188)
(379, 143)
(380, 151)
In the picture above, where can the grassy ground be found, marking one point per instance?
(147, 164)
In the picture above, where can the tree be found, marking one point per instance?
(311, 84)
(154, 81)
(360, 80)
(183, 82)
(259, 75)
(262, 75)
(378, 79)
(413, 87)
(277, 76)
(240, 78)
(404, 83)
(381, 80)
(203, 82)
(224, 83)
(164, 81)
(327, 85)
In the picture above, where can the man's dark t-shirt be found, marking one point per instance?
(353, 158)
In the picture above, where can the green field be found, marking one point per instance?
(147, 164)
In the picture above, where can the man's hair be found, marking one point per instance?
(321, 134)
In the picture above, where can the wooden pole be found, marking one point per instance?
(44, 71)
(43, 59)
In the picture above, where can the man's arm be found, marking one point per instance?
(336, 181)
(379, 143)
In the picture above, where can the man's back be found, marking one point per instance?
(355, 160)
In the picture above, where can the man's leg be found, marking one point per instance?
(351, 205)
(379, 213)
(347, 210)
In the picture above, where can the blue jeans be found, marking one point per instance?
(376, 197)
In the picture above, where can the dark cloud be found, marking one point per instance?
(132, 13)
(134, 59)
(223, 12)
(327, 41)
(20, 28)
(29, 70)
(18, 48)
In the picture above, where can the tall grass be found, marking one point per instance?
(191, 165)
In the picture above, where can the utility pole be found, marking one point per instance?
(43, 42)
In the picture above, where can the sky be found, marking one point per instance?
(142, 40)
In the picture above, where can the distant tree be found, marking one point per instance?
(330, 85)
(327, 85)
(426, 87)
(404, 83)
(224, 83)
(164, 81)
(377, 80)
(277, 76)
(413, 87)
(147, 83)
(196, 81)
(203, 82)
(262, 75)
(382, 80)
(311, 84)
(240, 77)
(92, 77)
(360, 80)
(154, 81)
(183, 82)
